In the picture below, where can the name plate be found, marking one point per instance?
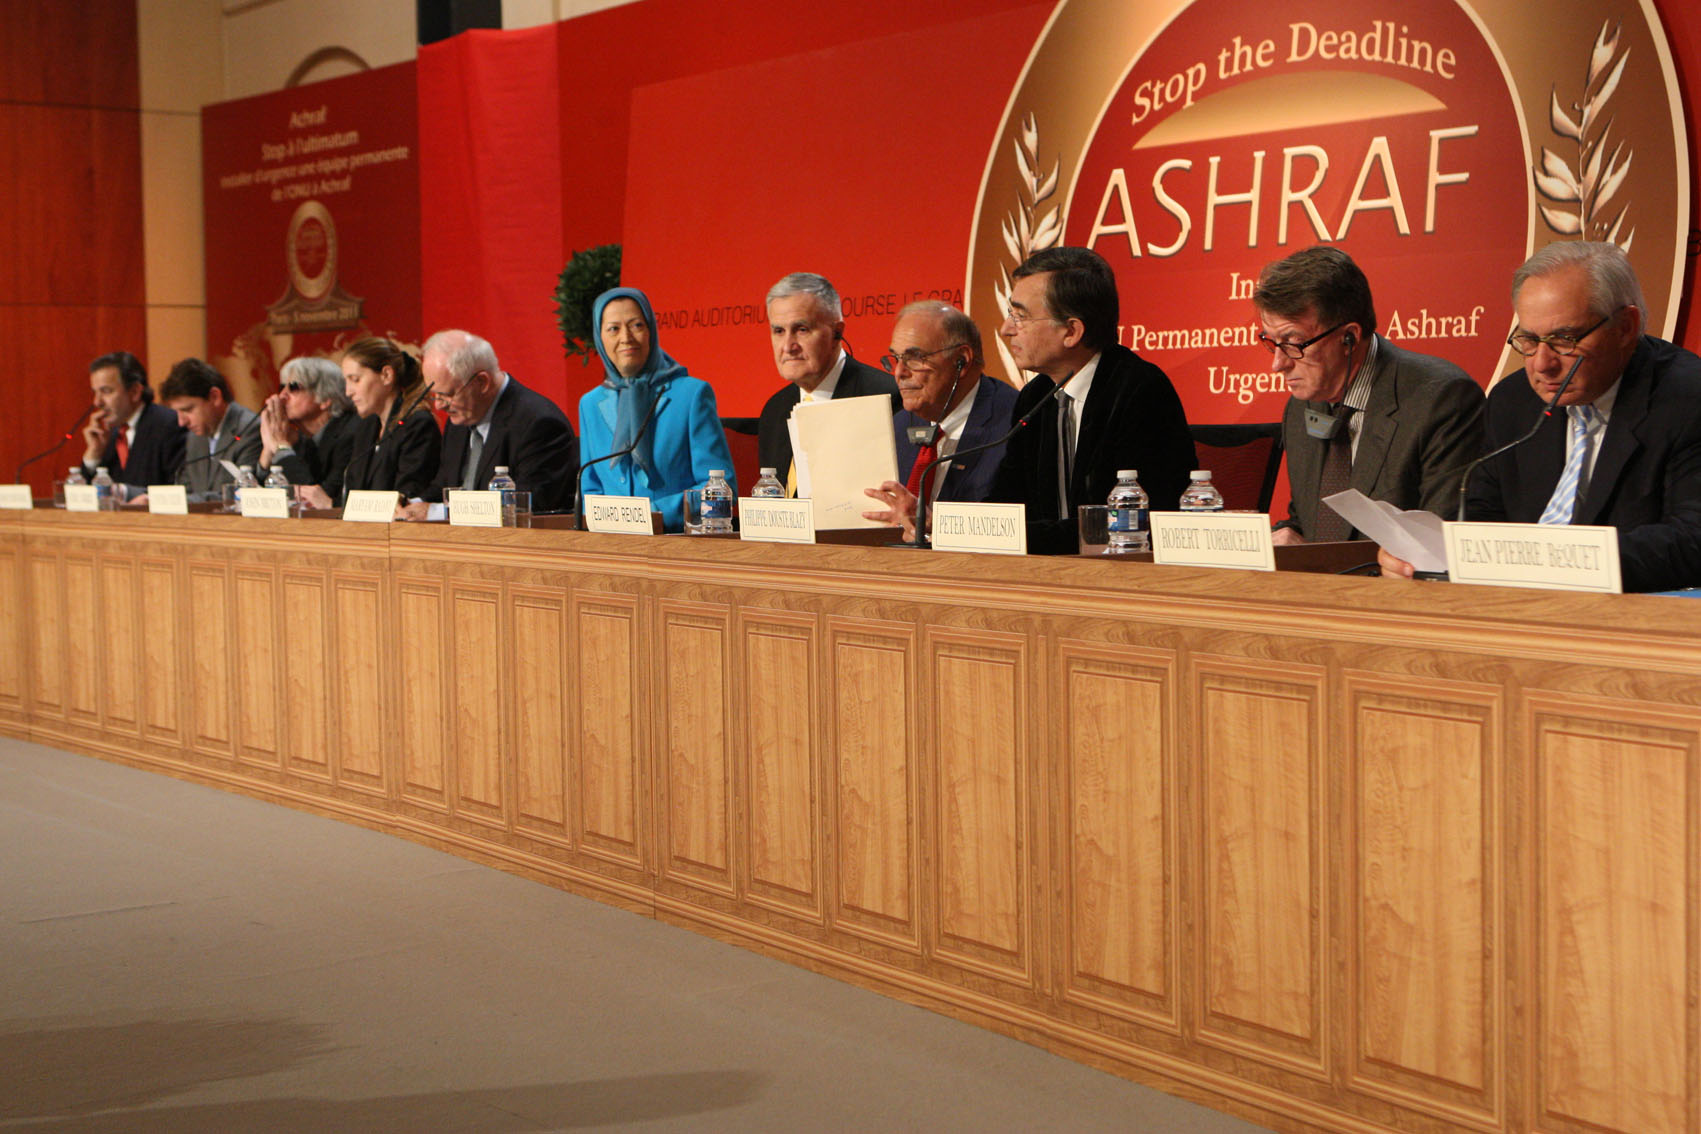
(263, 503)
(618, 515)
(995, 529)
(16, 496)
(768, 520)
(370, 506)
(475, 509)
(1554, 557)
(168, 500)
(82, 498)
(1213, 539)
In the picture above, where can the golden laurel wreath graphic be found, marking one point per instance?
(1589, 185)
(1025, 231)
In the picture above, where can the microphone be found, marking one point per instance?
(921, 539)
(57, 445)
(1465, 479)
(579, 477)
(424, 392)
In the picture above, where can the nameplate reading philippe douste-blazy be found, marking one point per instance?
(1213, 539)
(263, 503)
(996, 529)
(82, 498)
(1555, 557)
(767, 520)
(168, 500)
(16, 496)
(370, 506)
(619, 515)
(475, 509)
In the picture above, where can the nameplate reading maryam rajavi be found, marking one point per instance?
(1213, 539)
(767, 520)
(618, 515)
(264, 503)
(370, 506)
(168, 500)
(997, 529)
(1554, 557)
(16, 496)
(475, 509)
(82, 498)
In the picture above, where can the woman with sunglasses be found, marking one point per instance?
(397, 444)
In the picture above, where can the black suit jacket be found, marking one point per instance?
(155, 456)
(1647, 477)
(970, 479)
(773, 439)
(404, 459)
(531, 436)
(1132, 420)
(322, 460)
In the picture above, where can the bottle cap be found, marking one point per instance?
(501, 470)
(717, 472)
(1200, 474)
(1127, 474)
(101, 471)
(770, 472)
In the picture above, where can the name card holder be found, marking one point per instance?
(1553, 557)
(619, 515)
(263, 503)
(767, 520)
(475, 509)
(82, 498)
(992, 529)
(370, 506)
(1213, 539)
(16, 496)
(168, 500)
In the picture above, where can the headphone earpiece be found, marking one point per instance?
(962, 364)
(1350, 340)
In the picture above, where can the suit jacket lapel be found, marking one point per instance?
(1103, 398)
(1620, 442)
(498, 433)
(1376, 433)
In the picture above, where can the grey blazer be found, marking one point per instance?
(239, 443)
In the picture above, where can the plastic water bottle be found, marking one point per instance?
(1201, 495)
(717, 503)
(1129, 522)
(75, 476)
(105, 491)
(277, 478)
(768, 486)
(504, 484)
(245, 477)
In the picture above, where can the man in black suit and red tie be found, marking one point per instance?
(138, 442)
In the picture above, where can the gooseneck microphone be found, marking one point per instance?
(57, 445)
(1553, 402)
(579, 477)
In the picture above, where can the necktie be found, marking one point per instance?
(1337, 477)
(923, 457)
(791, 472)
(1065, 448)
(123, 447)
(1562, 505)
(475, 450)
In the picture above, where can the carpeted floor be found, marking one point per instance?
(175, 958)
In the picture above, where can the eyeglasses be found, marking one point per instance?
(1563, 345)
(913, 359)
(1021, 319)
(293, 387)
(1297, 350)
(442, 400)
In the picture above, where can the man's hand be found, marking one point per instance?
(1392, 566)
(312, 496)
(275, 429)
(415, 511)
(97, 435)
(900, 507)
(1286, 537)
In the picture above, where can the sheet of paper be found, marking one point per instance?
(799, 459)
(849, 447)
(1415, 536)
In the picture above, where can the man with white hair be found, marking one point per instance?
(307, 429)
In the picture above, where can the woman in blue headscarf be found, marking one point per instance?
(682, 443)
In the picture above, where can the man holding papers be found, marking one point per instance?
(1622, 446)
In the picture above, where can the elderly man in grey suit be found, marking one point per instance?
(1365, 414)
(219, 429)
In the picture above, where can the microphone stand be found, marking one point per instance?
(1465, 478)
(57, 445)
(579, 477)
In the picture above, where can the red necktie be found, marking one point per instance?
(123, 447)
(923, 457)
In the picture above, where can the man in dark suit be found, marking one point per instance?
(494, 421)
(1626, 451)
(133, 439)
(1365, 414)
(1115, 410)
(220, 429)
(307, 429)
(806, 321)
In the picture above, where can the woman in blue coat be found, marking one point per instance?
(684, 441)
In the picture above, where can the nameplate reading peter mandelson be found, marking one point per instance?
(996, 529)
(1213, 539)
(767, 520)
(82, 498)
(618, 515)
(370, 506)
(469, 509)
(264, 503)
(168, 500)
(1554, 557)
(16, 496)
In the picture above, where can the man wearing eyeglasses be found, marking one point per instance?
(1363, 413)
(1623, 445)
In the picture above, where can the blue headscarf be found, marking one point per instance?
(636, 394)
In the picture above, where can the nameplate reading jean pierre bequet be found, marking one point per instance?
(264, 503)
(370, 506)
(1213, 539)
(82, 498)
(16, 496)
(618, 515)
(475, 509)
(767, 520)
(1555, 557)
(168, 500)
(996, 529)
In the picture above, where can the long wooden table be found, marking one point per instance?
(1327, 852)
